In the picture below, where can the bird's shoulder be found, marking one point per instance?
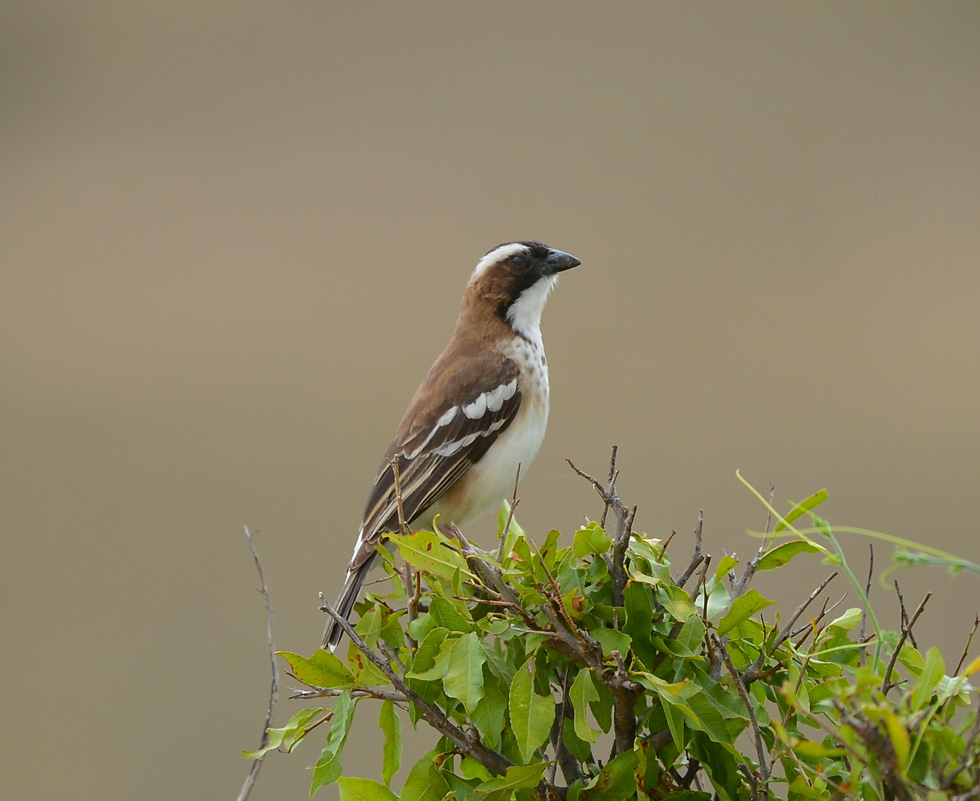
(477, 378)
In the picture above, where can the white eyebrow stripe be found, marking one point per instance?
(497, 254)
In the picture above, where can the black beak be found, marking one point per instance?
(558, 261)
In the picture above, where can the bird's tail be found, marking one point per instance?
(345, 602)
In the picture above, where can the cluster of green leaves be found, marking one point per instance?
(533, 666)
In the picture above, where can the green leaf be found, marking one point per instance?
(491, 710)
(688, 641)
(323, 669)
(502, 516)
(531, 715)
(638, 601)
(352, 789)
(392, 754)
(616, 782)
(899, 737)
(517, 776)
(848, 620)
(287, 736)
(447, 615)
(582, 693)
(801, 509)
(421, 626)
(425, 782)
(675, 722)
(725, 564)
(781, 554)
(742, 609)
(464, 678)
(427, 655)
(328, 768)
(428, 551)
(926, 684)
(364, 670)
(590, 539)
(612, 640)
(677, 602)
(370, 625)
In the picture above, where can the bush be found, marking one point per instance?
(595, 669)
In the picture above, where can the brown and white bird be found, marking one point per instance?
(479, 414)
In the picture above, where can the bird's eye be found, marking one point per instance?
(519, 261)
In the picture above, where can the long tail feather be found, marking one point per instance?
(345, 603)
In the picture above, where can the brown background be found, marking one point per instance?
(234, 236)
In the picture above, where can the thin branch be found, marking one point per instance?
(696, 558)
(624, 523)
(754, 672)
(253, 772)
(905, 615)
(625, 693)
(403, 526)
(610, 483)
(760, 747)
(510, 515)
(663, 548)
(469, 744)
(966, 648)
(413, 591)
(867, 595)
(488, 573)
(564, 758)
(906, 631)
(738, 588)
(380, 693)
(785, 633)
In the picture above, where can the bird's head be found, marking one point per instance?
(514, 279)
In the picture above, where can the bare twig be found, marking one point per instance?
(966, 648)
(906, 630)
(760, 747)
(510, 515)
(410, 581)
(625, 693)
(403, 526)
(754, 672)
(905, 615)
(785, 634)
(867, 597)
(738, 588)
(380, 693)
(563, 757)
(468, 743)
(696, 557)
(610, 483)
(274, 686)
(624, 524)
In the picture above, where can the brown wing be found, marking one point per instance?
(439, 440)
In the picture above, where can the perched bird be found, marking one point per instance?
(479, 414)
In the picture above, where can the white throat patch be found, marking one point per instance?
(524, 314)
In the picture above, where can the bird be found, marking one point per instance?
(478, 418)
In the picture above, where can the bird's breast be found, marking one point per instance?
(484, 486)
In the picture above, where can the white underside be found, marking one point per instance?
(496, 472)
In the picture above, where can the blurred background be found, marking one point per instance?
(234, 236)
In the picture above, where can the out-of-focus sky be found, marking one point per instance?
(233, 237)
